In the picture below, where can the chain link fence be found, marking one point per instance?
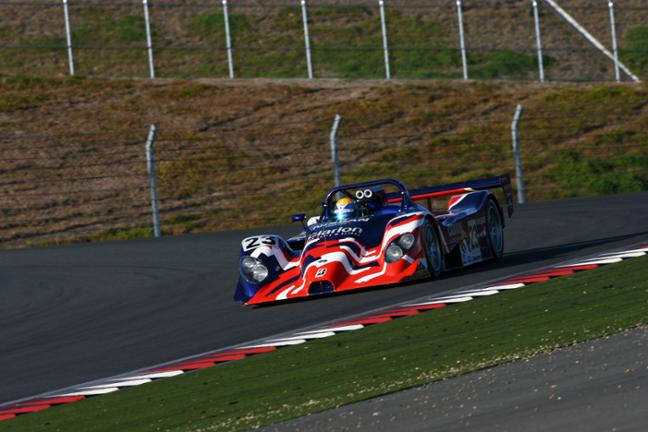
(503, 39)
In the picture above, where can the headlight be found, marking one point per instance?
(253, 270)
(393, 253)
(406, 241)
(398, 247)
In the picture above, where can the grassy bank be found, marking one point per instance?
(248, 153)
(411, 351)
(189, 40)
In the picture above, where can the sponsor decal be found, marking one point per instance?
(470, 248)
(480, 220)
(340, 231)
(455, 230)
(332, 224)
(321, 272)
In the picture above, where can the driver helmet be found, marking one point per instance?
(344, 209)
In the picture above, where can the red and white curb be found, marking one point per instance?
(108, 385)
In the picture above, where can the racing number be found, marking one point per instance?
(255, 242)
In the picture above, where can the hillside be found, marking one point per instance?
(233, 154)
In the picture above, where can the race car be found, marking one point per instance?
(374, 234)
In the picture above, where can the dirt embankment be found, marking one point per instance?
(248, 153)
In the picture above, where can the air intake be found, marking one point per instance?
(319, 288)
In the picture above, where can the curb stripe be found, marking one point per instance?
(338, 328)
(94, 392)
(366, 321)
(24, 410)
(274, 344)
(53, 401)
(599, 260)
(129, 383)
(506, 286)
(527, 280)
(449, 300)
(481, 293)
(157, 375)
(210, 359)
(629, 254)
(304, 337)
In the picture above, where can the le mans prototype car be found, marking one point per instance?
(374, 234)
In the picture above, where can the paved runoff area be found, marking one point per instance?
(600, 385)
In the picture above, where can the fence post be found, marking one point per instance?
(383, 24)
(228, 40)
(149, 40)
(309, 62)
(615, 47)
(536, 18)
(68, 37)
(588, 36)
(517, 154)
(150, 168)
(462, 40)
(334, 149)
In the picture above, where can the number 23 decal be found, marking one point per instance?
(255, 242)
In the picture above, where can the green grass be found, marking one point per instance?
(634, 52)
(211, 26)
(600, 177)
(408, 352)
(92, 27)
(346, 42)
(418, 49)
(505, 64)
(268, 42)
(95, 27)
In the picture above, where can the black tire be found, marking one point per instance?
(433, 252)
(495, 229)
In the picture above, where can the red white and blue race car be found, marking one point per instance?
(373, 234)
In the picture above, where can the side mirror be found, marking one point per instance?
(298, 217)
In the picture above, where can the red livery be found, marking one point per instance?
(375, 233)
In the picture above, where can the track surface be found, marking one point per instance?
(599, 385)
(77, 313)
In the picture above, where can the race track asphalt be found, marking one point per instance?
(77, 313)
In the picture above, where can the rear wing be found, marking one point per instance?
(503, 181)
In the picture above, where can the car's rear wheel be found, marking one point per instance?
(433, 253)
(495, 229)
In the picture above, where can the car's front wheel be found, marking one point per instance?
(432, 247)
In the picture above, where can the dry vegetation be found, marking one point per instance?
(248, 153)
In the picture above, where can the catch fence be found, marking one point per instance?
(462, 39)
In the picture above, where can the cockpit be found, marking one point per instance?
(359, 203)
